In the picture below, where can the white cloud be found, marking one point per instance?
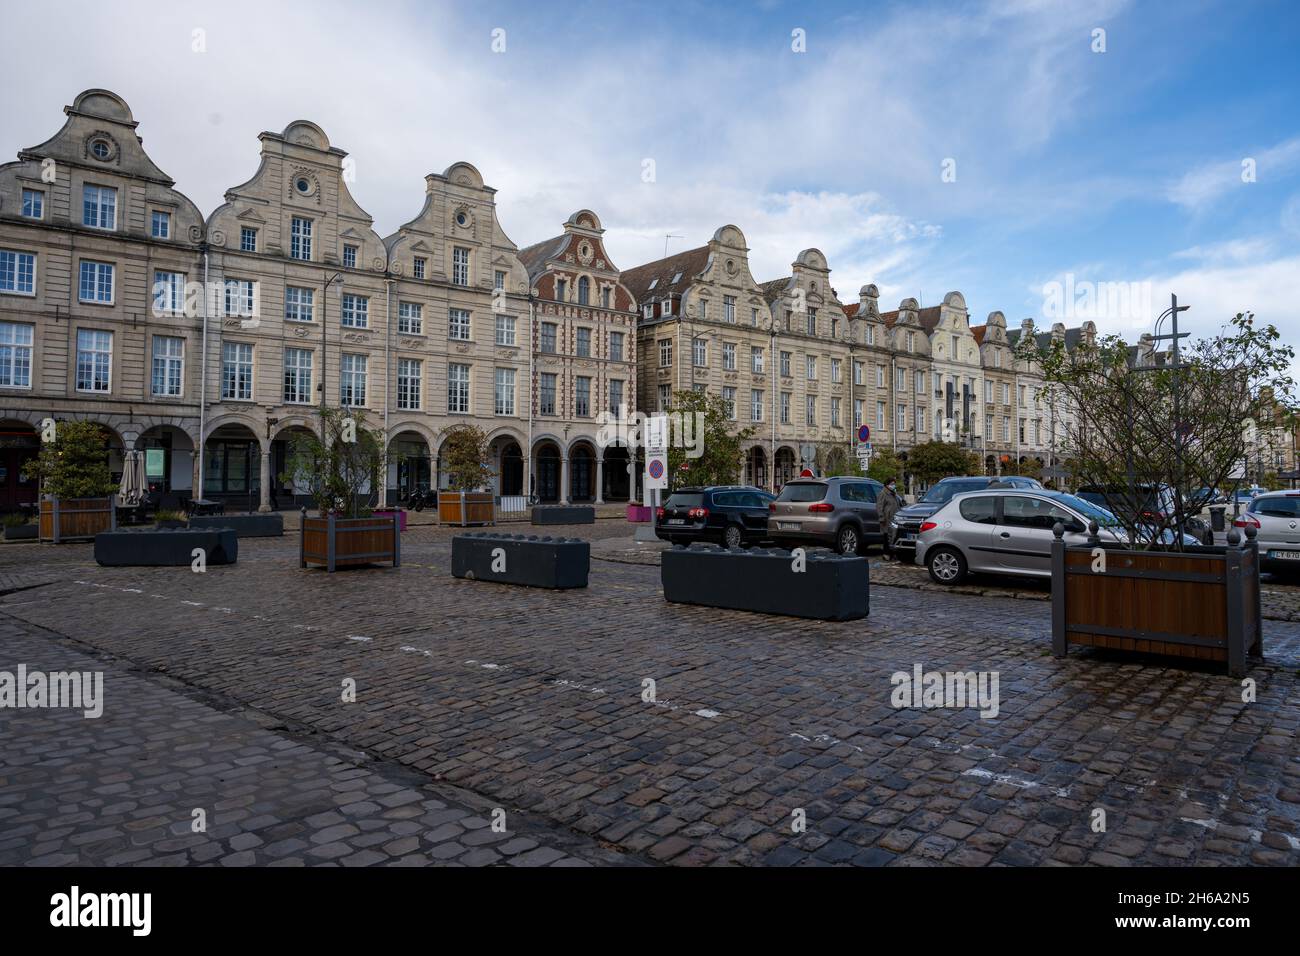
(1208, 182)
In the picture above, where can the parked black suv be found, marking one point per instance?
(907, 522)
(730, 515)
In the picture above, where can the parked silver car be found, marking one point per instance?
(837, 513)
(1275, 515)
(1005, 532)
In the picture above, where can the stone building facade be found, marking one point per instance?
(88, 227)
(109, 277)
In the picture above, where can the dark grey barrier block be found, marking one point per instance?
(246, 526)
(518, 559)
(831, 587)
(564, 514)
(161, 548)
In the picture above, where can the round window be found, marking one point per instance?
(101, 149)
(461, 219)
(303, 186)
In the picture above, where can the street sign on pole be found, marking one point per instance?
(656, 453)
(864, 433)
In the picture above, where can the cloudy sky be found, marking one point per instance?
(993, 148)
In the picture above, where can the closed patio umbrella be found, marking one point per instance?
(132, 490)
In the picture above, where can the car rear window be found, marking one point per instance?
(1287, 507)
(944, 490)
(803, 491)
(684, 500)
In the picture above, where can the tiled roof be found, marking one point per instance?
(773, 288)
(978, 331)
(535, 256)
(689, 263)
(852, 310)
(929, 317)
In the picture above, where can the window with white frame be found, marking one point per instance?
(880, 415)
(503, 392)
(785, 364)
(300, 238)
(835, 370)
(458, 325)
(756, 405)
(753, 317)
(247, 239)
(920, 381)
(352, 379)
(729, 400)
(665, 353)
(729, 356)
(870, 334)
(505, 329)
(33, 204)
(299, 304)
(168, 365)
(812, 321)
(900, 380)
(835, 413)
(237, 372)
(460, 265)
(349, 256)
(457, 389)
(700, 352)
(785, 408)
(810, 410)
(356, 311)
(988, 392)
(160, 224)
(615, 395)
(900, 418)
(239, 297)
(582, 396)
(410, 318)
(810, 367)
(546, 394)
(584, 343)
(666, 306)
(858, 373)
(15, 355)
(756, 359)
(548, 338)
(94, 361)
(665, 397)
(729, 309)
(1006, 394)
(648, 310)
(859, 407)
(1006, 428)
(911, 341)
(498, 280)
(168, 293)
(297, 376)
(18, 272)
(99, 207)
(880, 376)
(704, 309)
(920, 419)
(410, 377)
(96, 282)
(418, 267)
(616, 346)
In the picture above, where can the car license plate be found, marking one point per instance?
(788, 525)
(1285, 555)
(677, 521)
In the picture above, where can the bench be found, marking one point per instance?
(165, 548)
(545, 562)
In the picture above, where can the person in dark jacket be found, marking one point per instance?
(889, 504)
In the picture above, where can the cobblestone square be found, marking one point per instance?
(223, 692)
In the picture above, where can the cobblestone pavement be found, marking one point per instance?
(533, 701)
(122, 789)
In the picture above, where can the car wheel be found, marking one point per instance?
(732, 537)
(847, 540)
(947, 566)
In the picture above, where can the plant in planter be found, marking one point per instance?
(340, 466)
(1147, 431)
(18, 528)
(169, 519)
(464, 459)
(76, 483)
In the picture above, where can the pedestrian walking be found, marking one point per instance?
(888, 506)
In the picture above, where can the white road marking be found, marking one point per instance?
(1006, 778)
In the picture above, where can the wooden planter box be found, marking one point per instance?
(335, 542)
(466, 507)
(76, 519)
(1202, 604)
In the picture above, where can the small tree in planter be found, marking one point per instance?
(341, 466)
(76, 482)
(464, 460)
(1142, 422)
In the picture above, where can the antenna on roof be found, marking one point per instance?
(668, 236)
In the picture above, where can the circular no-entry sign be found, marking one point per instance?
(656, 469)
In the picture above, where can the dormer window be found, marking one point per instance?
(667, 308)
(653, 282)
(677, 278)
